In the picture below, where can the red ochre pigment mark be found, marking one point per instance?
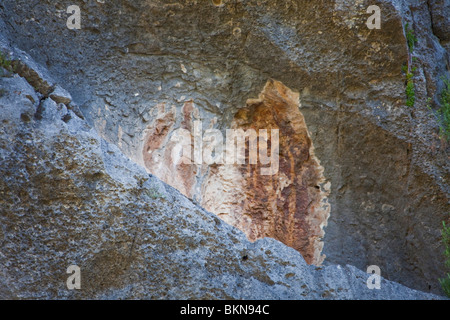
(290, 206)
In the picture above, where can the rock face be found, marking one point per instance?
(440, 15)
(68, 197)
(159, 147)
(140, 70)
(288, 204)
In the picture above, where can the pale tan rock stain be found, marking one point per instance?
(157, 151)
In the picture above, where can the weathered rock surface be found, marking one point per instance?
(287, 201)
(388, 170)
(285, 198)
(440, 20)
(69, 197)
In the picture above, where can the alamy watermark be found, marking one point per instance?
(74, 20)
(74, 280)
(209, 148)
(374, 281)
(374, 21)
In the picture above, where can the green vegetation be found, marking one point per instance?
(154, 194)
(408, 69)
(445, 282)
(410, 37)
(4, 61)
(444, 112)
(5, 64)
(410, 90)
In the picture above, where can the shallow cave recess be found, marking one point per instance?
(289, 205)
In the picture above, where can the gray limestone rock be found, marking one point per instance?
(59, 95)
(387, 166)
(68, 197)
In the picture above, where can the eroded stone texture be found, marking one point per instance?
(377, 153)
(69, 197)
(289, 206)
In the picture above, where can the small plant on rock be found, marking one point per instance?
(410, 90)
(444, 112)
(445, 282)
(410, 37)
(154, 194)
(5, 64)
(409, 69)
